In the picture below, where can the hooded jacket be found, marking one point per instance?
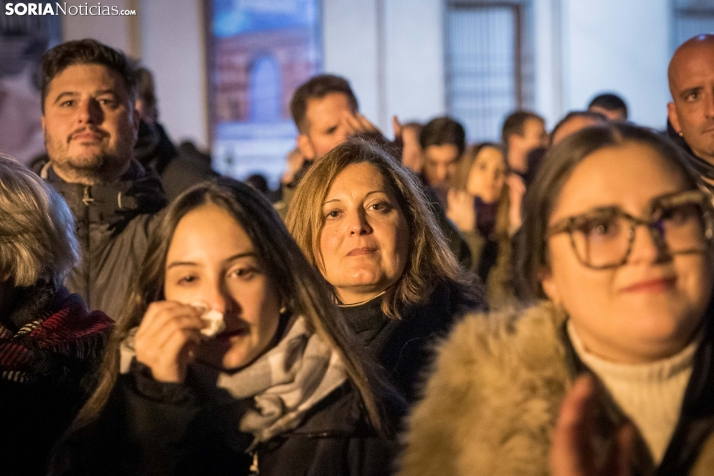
(113, 223)
(495, 397)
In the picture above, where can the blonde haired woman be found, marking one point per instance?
(363, 221)
(479, 206)
(50, 346)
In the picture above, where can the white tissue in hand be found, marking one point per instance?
(212, 317)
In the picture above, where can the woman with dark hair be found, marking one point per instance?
(230, 358)
(50, 346)
(362, 219)
(616, 259)
(479, 207)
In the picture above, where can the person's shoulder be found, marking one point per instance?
(491, 402)
(508, 337)
(340, 413)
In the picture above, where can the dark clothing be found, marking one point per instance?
(113, 224)
(178, 171)
(154, 428)
(486, 214)
(454, 239)
(701, 166)
(404, 346)
(46, 373)
(535, 159)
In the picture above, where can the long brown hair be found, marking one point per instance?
(300, 288)
(430, 261)
(468, 159)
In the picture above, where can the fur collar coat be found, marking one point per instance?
(495, 395)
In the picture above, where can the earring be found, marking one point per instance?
(681, 134)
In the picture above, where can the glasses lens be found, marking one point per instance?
(601, 240)
(682, 227)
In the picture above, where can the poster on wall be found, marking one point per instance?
(259, 52)
(23, 41)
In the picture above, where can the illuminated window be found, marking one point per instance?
(489, 71)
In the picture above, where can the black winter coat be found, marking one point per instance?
(113, 224)
(154, 428)
(404, 347)
(40, 398)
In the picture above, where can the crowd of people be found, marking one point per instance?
(538, 305)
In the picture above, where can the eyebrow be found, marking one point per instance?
(63, 95)
(246, 254)
(74, 94)
(367, 195)
(689, 91)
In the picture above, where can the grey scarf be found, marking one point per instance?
(285, 382)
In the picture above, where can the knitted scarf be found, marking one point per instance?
(46, 330)
(284, 383)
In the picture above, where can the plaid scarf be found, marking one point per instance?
(46, 331)
(284, 383)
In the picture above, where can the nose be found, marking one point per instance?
(341, 135)
(710, 104)
(358, 223)
(215, 296)
(645, 248)
(442, 172)
(90, 112)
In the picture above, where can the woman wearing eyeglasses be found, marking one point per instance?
(616, 257)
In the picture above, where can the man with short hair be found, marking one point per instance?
(522, 132)
(90, 126)
(610, 105)
(326, 113)
(442, 141)
(573, 122)
(691, 112)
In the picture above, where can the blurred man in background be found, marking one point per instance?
(609, 105)
(442, 141)
(523, 132)
(691, 112)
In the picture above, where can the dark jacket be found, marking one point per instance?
(700, 166)
(510, 372)
(491, 256)
(404, 346)
(153, 428)
(113, 224)
(46, 373)
(178, 171)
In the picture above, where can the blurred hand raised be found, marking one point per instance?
(572, 452)
(461, 209)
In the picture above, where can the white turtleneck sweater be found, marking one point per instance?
(649, 394)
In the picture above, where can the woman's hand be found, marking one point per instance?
(572, 452)
(167, 338)
(461, 209)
